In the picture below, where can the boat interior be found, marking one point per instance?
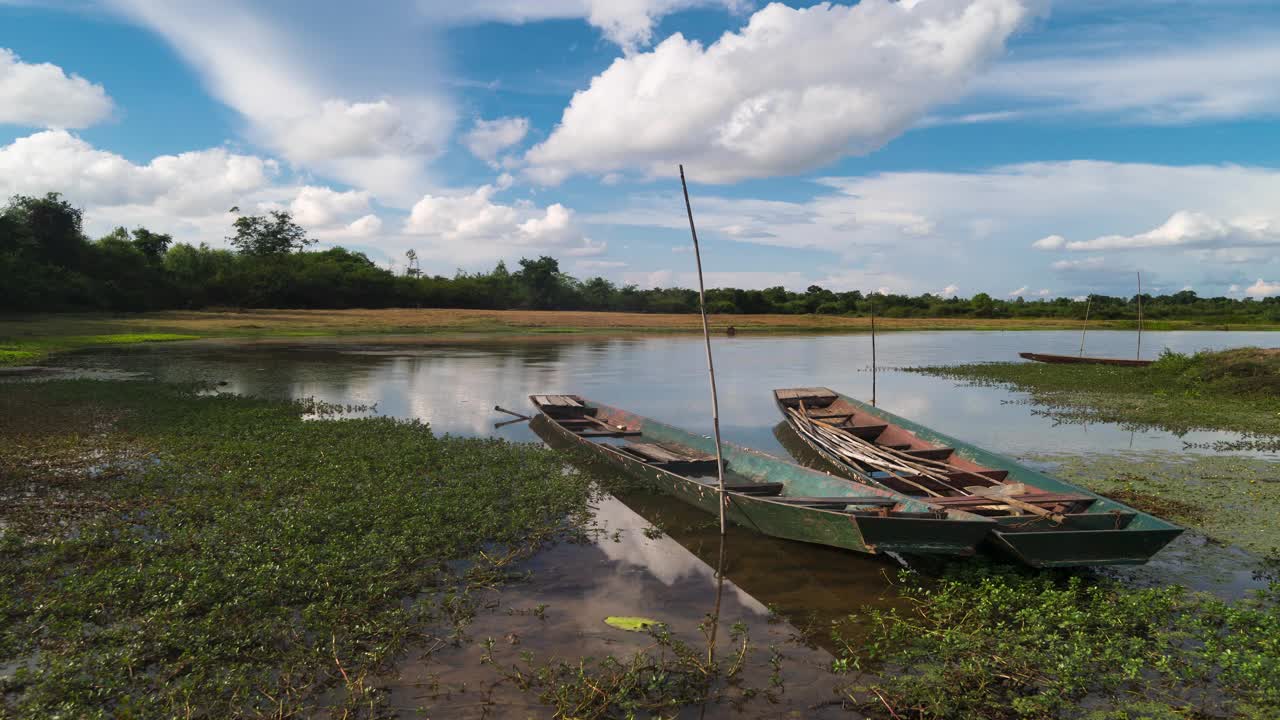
(902, 461)
(598, 426)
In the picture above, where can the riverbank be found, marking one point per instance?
(1234, 390)
(30, 339)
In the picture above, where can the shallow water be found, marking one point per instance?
(787, 593)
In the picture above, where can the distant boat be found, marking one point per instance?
(1083, 360)
(765, 493)
(1040, 520)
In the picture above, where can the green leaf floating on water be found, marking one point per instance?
(633, 624)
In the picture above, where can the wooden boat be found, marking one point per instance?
(1042, 521)
(764, 493)
(1083, 360)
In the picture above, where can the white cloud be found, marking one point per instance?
(1261, 288)
(321, 206)
(42, 95)
(471, 227)
(190, 183)
(370, 117)
(1165, 83)
(1019, 292)
(1191, 229)
(1043, 292)
(591, 265)
(950, 290)
(365, 226)
(487, 138)
(1091, 263)
(629, 23)
(1050, 242)
(793, 90)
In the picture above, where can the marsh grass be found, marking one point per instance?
(1000, 643)
(28, 350)
(165, 554)
(1236, 390)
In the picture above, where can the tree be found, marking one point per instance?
(411, 263)
(272, 234)
(152, 244)
(540, 280)
(49, 226)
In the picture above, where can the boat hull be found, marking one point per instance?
(1110, 533)
(859, 533)
(1082, 360)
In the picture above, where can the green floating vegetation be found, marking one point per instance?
(1232, 499)
(1001, 644)
(1236, 390)
(165, 554)
(25, 351)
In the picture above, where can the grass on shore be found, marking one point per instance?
(166, 554)
(26, 339)
(1235, 390)
(1004, 644)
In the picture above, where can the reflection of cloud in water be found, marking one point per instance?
(663, 557)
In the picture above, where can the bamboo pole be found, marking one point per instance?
(706, 336)
(1139, 355)
(873, 350)
(1085, 329)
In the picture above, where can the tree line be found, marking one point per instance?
(47, 263)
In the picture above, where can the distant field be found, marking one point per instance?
(29, 338)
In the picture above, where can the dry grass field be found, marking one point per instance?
(28, 338)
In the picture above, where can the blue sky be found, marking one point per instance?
(1015, 147)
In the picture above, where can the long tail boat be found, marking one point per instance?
(1082, 360)
(763, 493)
(1040, 520)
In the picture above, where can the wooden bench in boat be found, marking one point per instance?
(941, 453)
(558, 401)
(1076, 502)
(820, 397)
(669, 458)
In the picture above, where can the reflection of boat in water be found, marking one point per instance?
(1082, 360)
(811, 586)
(764, 493)
(1043, 521)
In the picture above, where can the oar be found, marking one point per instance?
(499, 408)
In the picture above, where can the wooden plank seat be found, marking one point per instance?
(831, 416)
(558, 400)
(837, 502)
(813, 397)
(1035, 498)
(754, 489)
(866, 432)
(941, 453)
(681, 461)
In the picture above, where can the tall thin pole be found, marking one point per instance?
(873, 350)
(1139, 355)
(1085, 329)
(706, 335)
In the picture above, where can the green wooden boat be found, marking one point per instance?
(1040, 520)
(763, 493)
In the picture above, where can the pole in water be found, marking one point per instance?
(1139, 355)
(706, 335)
(1085, 329)
(873, 351)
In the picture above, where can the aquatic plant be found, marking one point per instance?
(219, 556)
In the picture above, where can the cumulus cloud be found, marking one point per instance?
(794, 89)
(473, 227)
(1050, 242)
(629, 23)
(1019, 292)
(189, 183)
(1186, 229)
(321, 206)
(43, 95)
(1262, 288)
(487, 138)
(950, 290)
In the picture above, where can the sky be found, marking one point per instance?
(1022, 148)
